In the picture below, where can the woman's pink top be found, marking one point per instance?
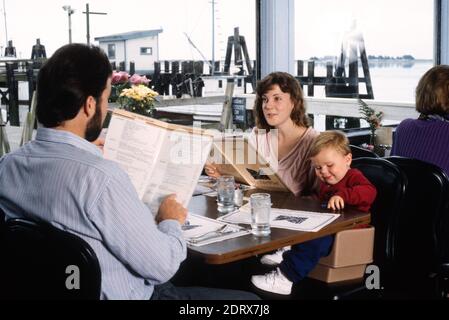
(295, 168)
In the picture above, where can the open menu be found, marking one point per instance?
(160, 158)
(236, 156)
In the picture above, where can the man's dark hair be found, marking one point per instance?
(67, 79)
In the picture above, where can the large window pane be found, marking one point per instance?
(141, 33)
(398, 37)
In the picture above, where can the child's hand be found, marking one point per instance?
(336, 203)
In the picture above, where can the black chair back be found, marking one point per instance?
(390, 183)
(420, 236)
(39, 261)
(359, 152)
(2, 220)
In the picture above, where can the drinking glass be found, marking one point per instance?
(225, 194)
(260, 214)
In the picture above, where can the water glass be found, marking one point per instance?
(238, 197)
(225, 194)
(260, 214)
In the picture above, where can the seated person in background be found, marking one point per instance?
(340, 186)
(62, 178)
(427, 138)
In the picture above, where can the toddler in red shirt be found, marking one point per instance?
(340, 186)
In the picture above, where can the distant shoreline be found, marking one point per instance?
(330, 59)
(374, 62)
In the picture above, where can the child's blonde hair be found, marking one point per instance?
(330, 139)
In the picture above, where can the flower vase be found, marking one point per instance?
(139, 109)
(149, 113)
(375, 143)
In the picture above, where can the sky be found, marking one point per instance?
(389, 27)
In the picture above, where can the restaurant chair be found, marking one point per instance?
(443, 281)
(443, 267)
(390, 183)
(2, 218)
(359, 152)
(2, 221)
(42, 262)
(420, 240)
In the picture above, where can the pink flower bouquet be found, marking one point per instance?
(121, 80)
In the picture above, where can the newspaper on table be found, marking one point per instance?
(284, 218)
(199, 230)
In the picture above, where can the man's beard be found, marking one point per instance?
(94, 126)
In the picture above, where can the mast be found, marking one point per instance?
(199, 51)
(213, 37)
(6, 25)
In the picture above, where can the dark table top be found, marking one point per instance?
(250, 245)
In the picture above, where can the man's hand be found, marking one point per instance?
(101, 139)
(99, 143)
(336, 203)
(171, 209)
(212, 170)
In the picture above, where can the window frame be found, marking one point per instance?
(267, 30)
(142, 53)
(110, 46)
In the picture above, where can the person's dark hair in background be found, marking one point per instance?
(67, 79)
(427, 138)
(432, 92)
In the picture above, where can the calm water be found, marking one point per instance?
(392, 81)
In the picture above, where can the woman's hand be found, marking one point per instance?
(212, 170)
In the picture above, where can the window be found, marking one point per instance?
(146, 51)
(399, 50)
(111, 51)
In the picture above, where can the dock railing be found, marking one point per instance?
(11, 73)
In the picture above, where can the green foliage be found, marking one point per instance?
(370, 115)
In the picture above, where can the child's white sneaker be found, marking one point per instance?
(274, 259)
(273, 281)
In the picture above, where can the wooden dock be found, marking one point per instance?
(12, 72)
